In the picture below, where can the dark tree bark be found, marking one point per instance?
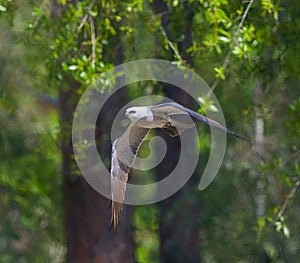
(89, 238)
(87, 217)
(179, 214)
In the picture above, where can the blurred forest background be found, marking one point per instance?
(248, 51)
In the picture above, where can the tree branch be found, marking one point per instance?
(171, 45)
(227, 58)
(288, 198)
(84, 19)
(93, 36)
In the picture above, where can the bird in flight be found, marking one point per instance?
(172, 117)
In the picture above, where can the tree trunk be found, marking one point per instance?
(179, 214)
(89, 238)
(259, 150)
(87, 216)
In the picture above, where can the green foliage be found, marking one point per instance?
(30, 225)
(146, 234)
(3, 6)
(7, 9)
(30, 193)
(234, 45)
(86, 37)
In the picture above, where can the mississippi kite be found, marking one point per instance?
(171, 117)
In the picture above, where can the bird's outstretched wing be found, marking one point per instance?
(174, 110)
(124, 150)
(178, 120)
(169, 108)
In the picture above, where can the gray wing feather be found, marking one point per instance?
(168, 108)
(173, 108)
(124, 150)
(176, 115)
(215, 124)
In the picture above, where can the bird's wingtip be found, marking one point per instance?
(240, 137)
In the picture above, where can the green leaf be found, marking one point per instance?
(3, 8)
(286, 232)
(73, 67)
(175, 3)
(37, 11)
(63, 2)
(224, 39)
(278, 225)
(218, 49)
(220, 72)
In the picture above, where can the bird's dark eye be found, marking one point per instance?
(132, 112)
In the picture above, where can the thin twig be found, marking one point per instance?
(288, 198)
(93, 36)
(244, 16)
(84, 19)
(227, 58)
(172, 46)
(217, 81)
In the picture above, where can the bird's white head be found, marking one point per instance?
(136, 113)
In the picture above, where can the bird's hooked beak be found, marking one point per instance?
(127, 113)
